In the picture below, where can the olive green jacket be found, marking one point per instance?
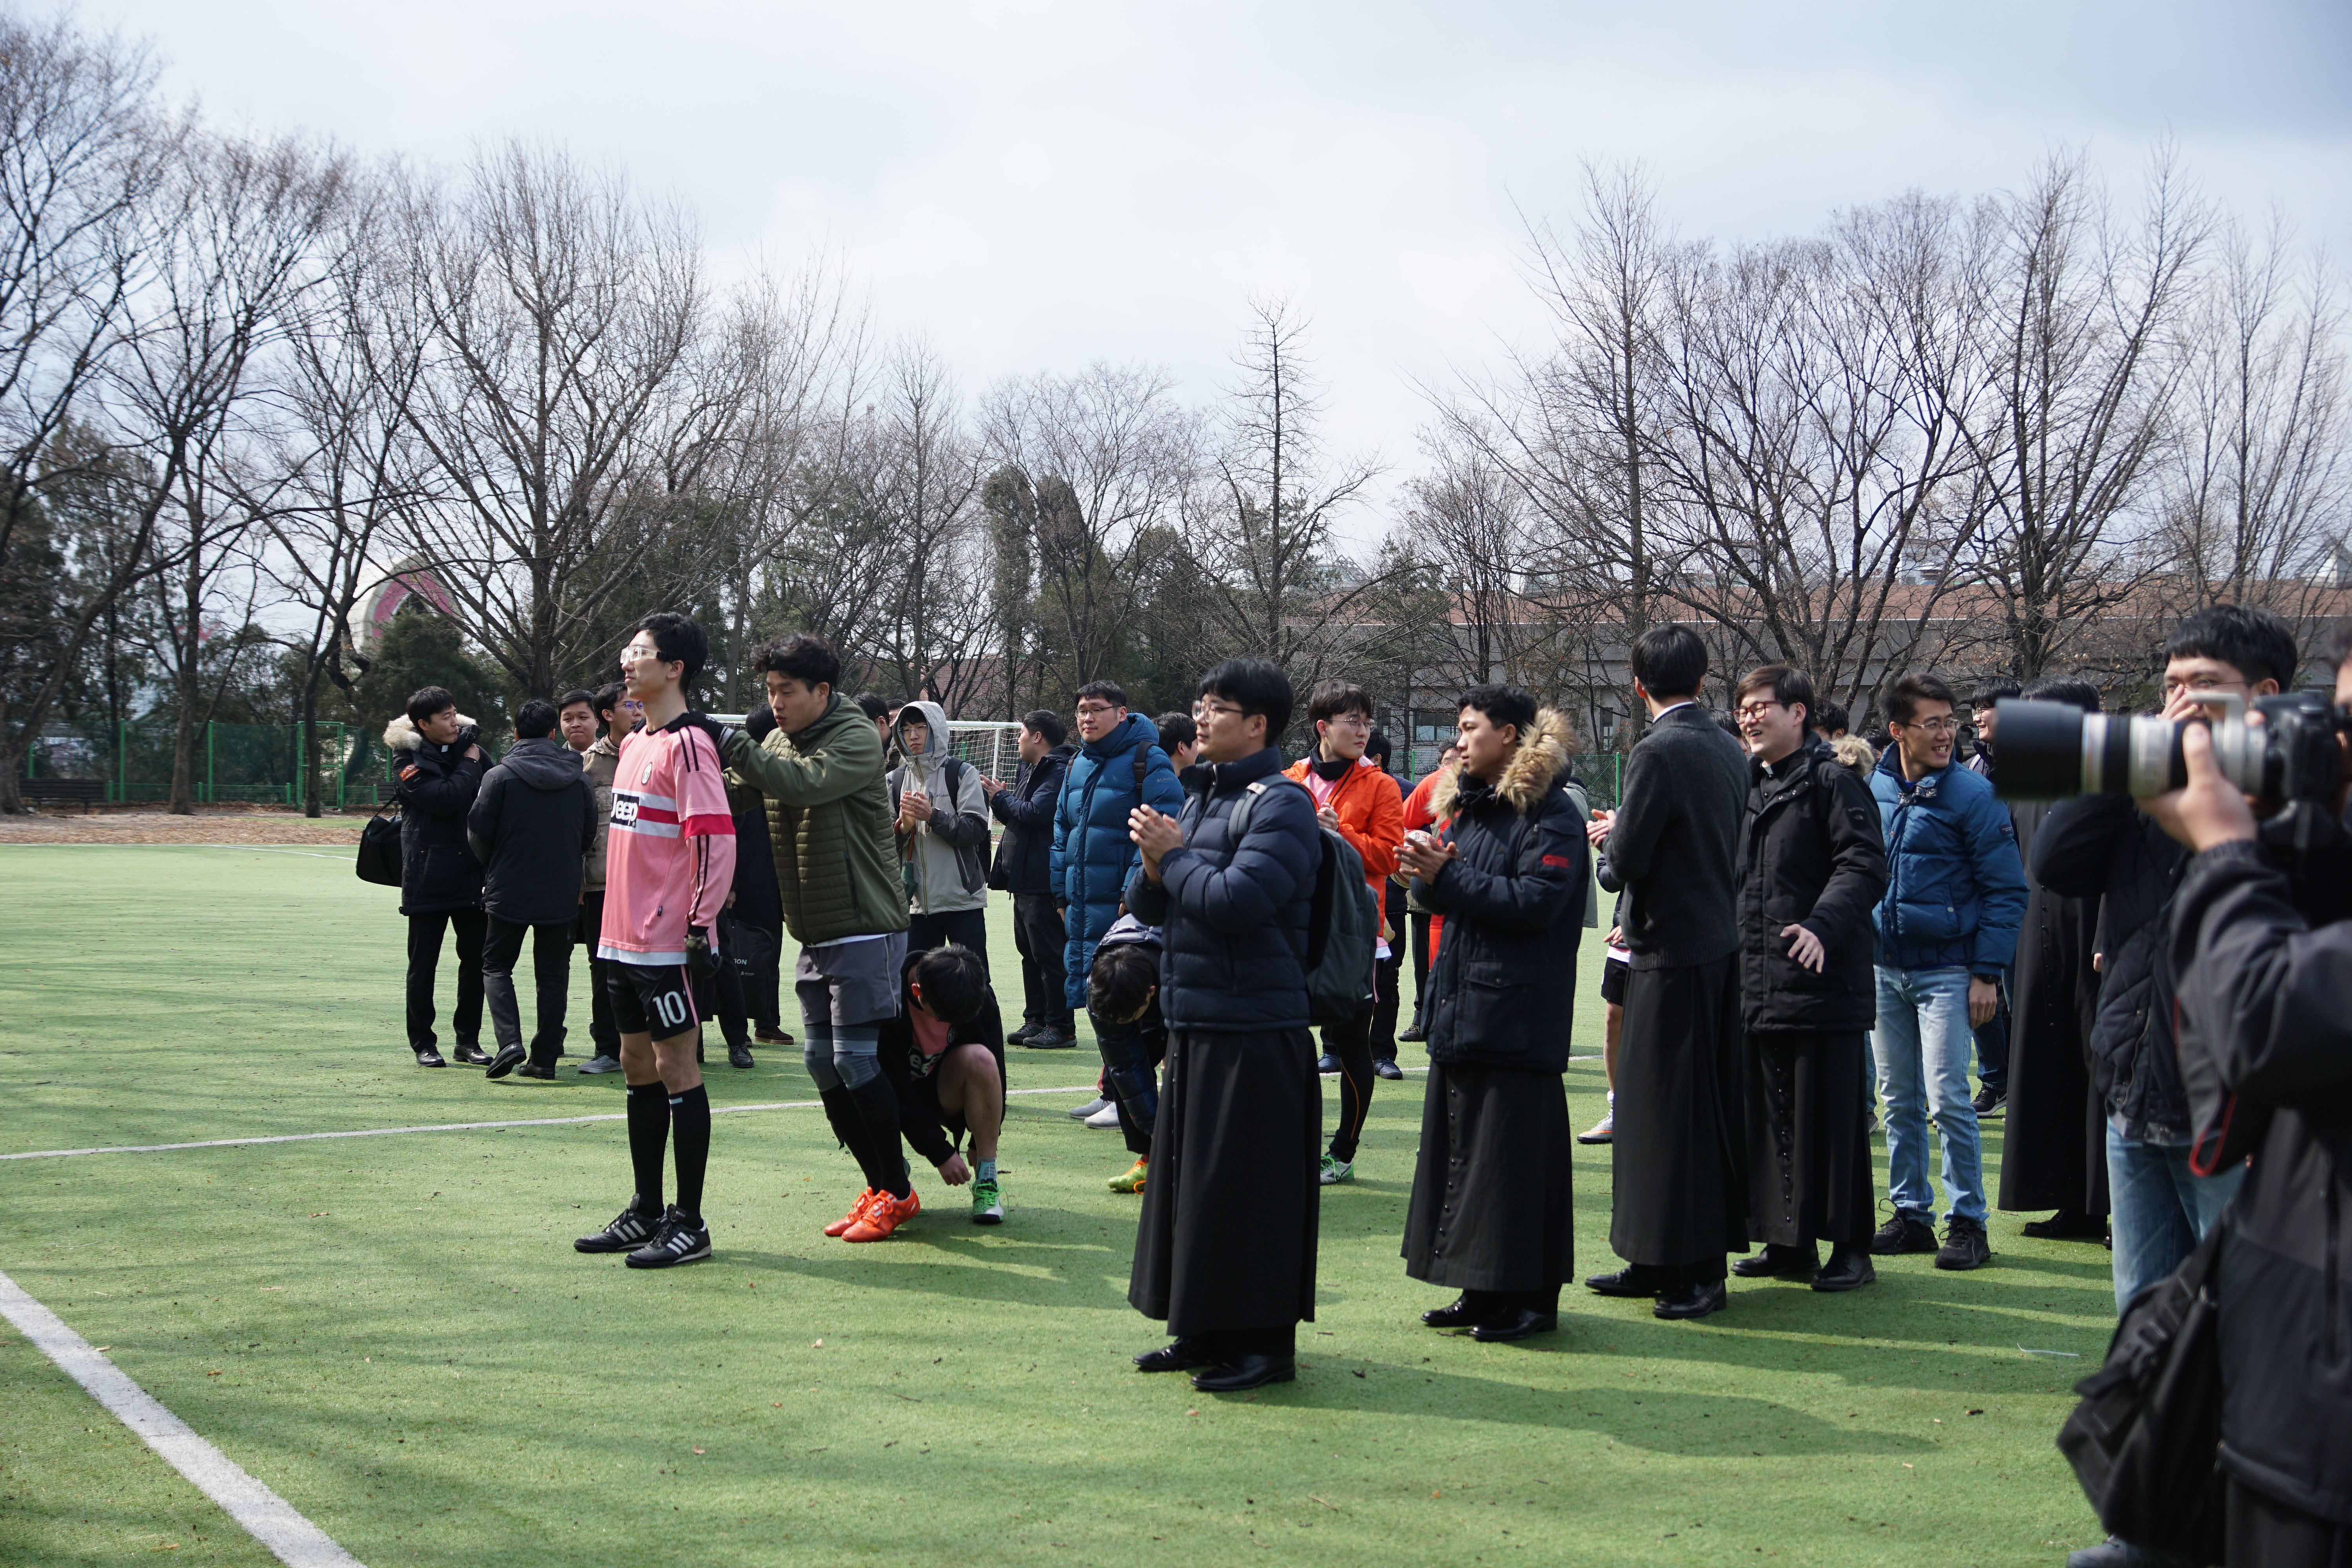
(828, 823)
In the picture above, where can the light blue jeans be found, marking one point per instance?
(1922, 1045)
(2158, 1208)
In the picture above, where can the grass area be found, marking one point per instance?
(394, 1333)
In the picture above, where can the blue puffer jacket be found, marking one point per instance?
(1235, 916)
(1093, 857)
(1954, 886)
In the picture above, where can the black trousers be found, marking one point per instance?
(1420, 924)
(602, 1030)
(1352, 1043)
(965, 928)
(1385, 975)
(1038, 932)
(1132, 1055)
(550, 968)
(424, 961)
(763, 991)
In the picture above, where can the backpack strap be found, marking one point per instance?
(1142, 754)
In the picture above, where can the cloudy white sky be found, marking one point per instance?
(1034, 187)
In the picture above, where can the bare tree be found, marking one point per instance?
(939, 636)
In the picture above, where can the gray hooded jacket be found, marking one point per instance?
(949, 854)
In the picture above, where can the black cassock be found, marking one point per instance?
(1808, 1172)
(1494, 1201)
(1679, 1158)
(1226, 1244)
(2053, 1146)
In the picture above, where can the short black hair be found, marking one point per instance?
(575, 696)
(1670, 661)
(954, 983)
(2063, 689)
(608, 702)
(1111, 691)
(807, 659)
(1790, 686)
(536, 720)
(1501, 705)
(1047, 725)
(1907, 692)
(1120, 984)
(1993, 689)
(1378, 749)
(873, 704)
(1332, 698)
(1258, 685)
(2256, 641)
(1829, 717)
(677, 640)
(1176, 729)
(426, 700)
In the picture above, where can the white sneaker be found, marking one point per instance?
(1087, 1110)
(1107, 1117)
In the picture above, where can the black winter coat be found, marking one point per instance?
(2266, 1050)
(2103, 846)
(531, 826)
(1235, 916)
(437, 785)
(1810, 854)
(1501, 990)
(1676, 840)
(1025, 855)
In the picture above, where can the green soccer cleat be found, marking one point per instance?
(1336, 1170)
(987, 1202)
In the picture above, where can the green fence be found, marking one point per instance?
(255, 764)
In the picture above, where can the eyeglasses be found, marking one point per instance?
(1944, 726)
(2174, 687)
(1203, 712)
(1094, 710)
(1755, 709)
(1349, 721)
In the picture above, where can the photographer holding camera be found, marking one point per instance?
(2261, 947)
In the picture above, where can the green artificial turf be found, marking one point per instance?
(394, 1333)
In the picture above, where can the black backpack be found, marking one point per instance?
(379, 857)
(1343, 923)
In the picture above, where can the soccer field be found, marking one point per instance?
(393, 1333)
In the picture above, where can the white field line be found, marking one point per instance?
(437, 1127)
(252, 848)
(266, 1517)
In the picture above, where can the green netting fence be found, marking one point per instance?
(254, 763)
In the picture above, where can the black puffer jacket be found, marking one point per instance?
(1810, 854)
(2102, 847)
(1235, 915)
(437, 784)
(1501, 990)
(2266, 1050)
(531, 826)
(1025, 855)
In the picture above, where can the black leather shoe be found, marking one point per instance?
(1695, 1301)
(1778, 1262)
(1326, 1063)
(429, 1058)
(474, 1057)
(2067, 1225)
(536, 1069)
(1634, 1279)
(740, 1055)
(1461, 1312)
(1385, 1066)
(1245, 1372)
(508, 1058)
(1177, 1355)
(1415, 1034)
(1514, 1323)
(1850, 1269)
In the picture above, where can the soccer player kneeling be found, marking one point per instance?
(945, 1055)
(669, 859)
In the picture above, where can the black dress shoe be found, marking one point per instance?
(1693, 1301)
(738, 1055)
(508, 1058)
(1514, 1323)
(1468, 1308)
(536, 1069)
(1326, 1063)
(1385, 1066)
(1245, 1372)
(1850, 1269)
(1634, 1279)
(2066, 1225)
(1775, 1262)
(473, 1055)
(1177, 1355)
(1415, 1034)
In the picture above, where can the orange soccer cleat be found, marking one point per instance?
(856, 1212)
(883, 1215)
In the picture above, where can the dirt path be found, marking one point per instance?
(207, 827)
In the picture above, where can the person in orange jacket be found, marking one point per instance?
(1361, 802)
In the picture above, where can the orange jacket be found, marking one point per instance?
(1370, 810)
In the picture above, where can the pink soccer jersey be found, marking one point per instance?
(669, 858)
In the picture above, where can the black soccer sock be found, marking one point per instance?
(689, 1119)
(649, 1107)
(877, 1114)
(841, 1111)
(1352, 1043)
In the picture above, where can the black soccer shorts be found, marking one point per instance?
(654, 999)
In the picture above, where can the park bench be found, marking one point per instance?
(83, 790)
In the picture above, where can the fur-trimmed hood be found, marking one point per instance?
(1541, 758)
(403, 735)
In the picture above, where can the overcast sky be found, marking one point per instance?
(1034, 187)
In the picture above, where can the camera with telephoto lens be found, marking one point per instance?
(2054, 751)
